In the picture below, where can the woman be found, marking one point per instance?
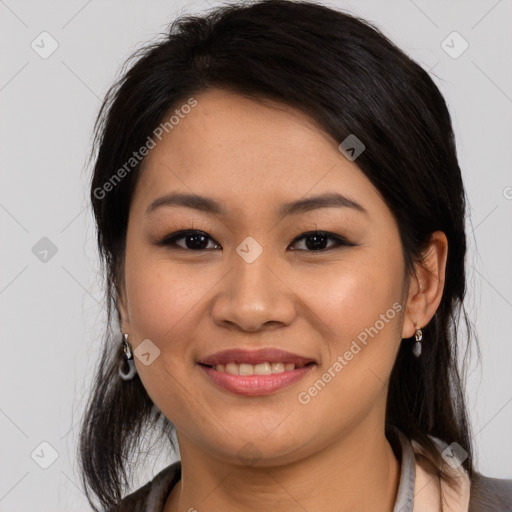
(281, 215)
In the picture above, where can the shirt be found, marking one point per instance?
(417, 490)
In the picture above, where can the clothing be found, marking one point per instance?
(417, 491)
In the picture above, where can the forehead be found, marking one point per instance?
(247, 152)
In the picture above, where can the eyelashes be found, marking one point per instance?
(199, 241)
(198, 237)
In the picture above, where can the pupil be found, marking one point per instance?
(319, 241)
(200, 241)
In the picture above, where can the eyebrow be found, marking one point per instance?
(209, 205)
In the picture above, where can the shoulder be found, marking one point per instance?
(153, 495)
(486, 494)
(490, 494)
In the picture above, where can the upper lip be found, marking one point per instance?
(262, 355)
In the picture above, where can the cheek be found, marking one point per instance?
(161, 296)
(360, 312)
(352, 295)
(163, 300)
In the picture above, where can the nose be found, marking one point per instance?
(255, 296)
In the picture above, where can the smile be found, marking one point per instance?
(256, 369)
(253, 372)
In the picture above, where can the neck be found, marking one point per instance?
(357, 473)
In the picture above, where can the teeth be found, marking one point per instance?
(255, 369)
(277, 367)
(262, 369)
(245, 369)
(232, 369)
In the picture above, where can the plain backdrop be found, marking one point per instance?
(51, 303)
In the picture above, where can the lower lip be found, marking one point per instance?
(255, 385)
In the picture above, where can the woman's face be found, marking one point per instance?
(250, 280)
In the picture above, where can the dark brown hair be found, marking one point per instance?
(345, 74)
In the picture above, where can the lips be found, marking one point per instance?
(254, 357)
(255, 372)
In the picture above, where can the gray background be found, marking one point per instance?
(51, 311)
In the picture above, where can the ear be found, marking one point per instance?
(426, 286)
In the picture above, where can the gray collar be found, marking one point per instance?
(405, 497)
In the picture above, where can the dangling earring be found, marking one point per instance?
(416, 349)
(127, 360)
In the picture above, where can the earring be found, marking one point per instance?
(416, 349)
(127, 360)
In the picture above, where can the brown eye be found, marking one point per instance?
(316, 241)
(193, 241)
